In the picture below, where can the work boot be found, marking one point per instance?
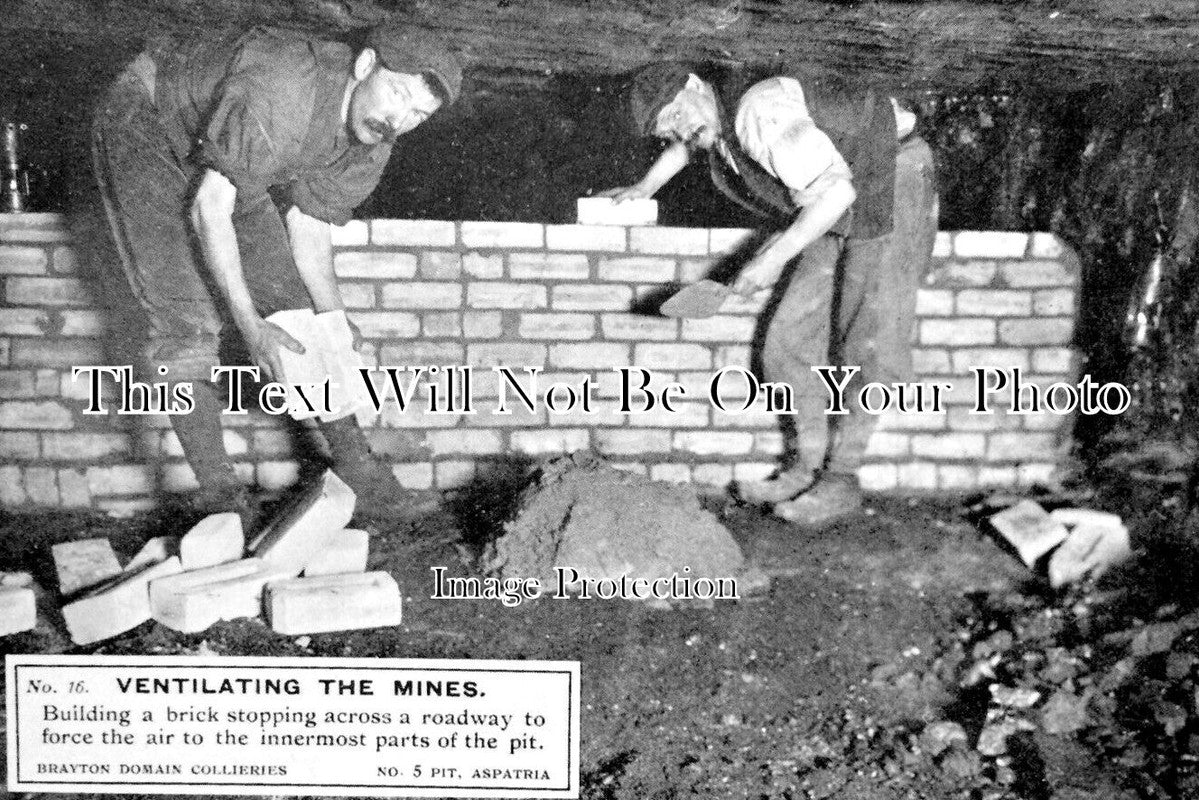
(784, 486)
(834, 496)
(379, 498)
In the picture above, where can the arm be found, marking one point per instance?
(669, 164)
(815, 220)
(312, 248)
(212, 219)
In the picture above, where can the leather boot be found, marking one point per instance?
(784, 486)
(379, 494)
(202, 438)
(833, 496)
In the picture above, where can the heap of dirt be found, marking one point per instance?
(605, 523)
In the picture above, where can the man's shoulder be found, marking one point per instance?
(282, 51)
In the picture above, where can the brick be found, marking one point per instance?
(1044, 422)
(675, 241)
(670, 473)
(556, 326)
(119, 480)
(18, 446)
(731, 356)
(1046, 245)
(624, 442)
(82, 323)
(609, 238)
(346, 553)
(943, 245)
(672, 356)
(5, 352)
(17, 384)
(83, 563)
(712, 475)
(694, 269)
(414, 476)
(962, 273)
(29, 415)
(292, 537)
(177, 478)
(502, 235)
(714, 443)
(41, 486)
(989, 476)
(125, 507)
(415, 418)
(56, 352)
(960, 418)
(333, 602)
(562, 440)
(24, 322)
(956, 477)
(1053, 302)
(18, 609)
(591, 355)
(387, 324)
(374, 264)
(235, 443)
(957, 332)
(591, 297)
(441, 325)
(506, 354)
(770, 443)
(354, 233)
(190, 602)
(1022, 274)
(949, 445)
(894, 421)
(453, 474)
(649, 270)
(994, 303)
(1045, 331)
(47, 383)
(216, 539)
(719, 329)
(639, 328)
(1020, 446)
(483, 266)
(73, 489)
(1030, 474)
(990, 244)
(421, 353)
(506, 295)
(465, 442)
(548, 266)
(66, 260)
(917, 475)
(16, 260)
(934, 303)
(12, 488)
(483, 324)
(878, 477)
(275, 475)
(729, 240)
(357, 295)
(926, 361)
(422, 294)
(1004, 358)
(885, 444)
(48, 292)
(685, 415)
(413, 233)
(33, 227)
(441, 265)
(606, 211)
(118, 608)
(1053, 359)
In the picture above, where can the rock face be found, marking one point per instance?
(606, 524)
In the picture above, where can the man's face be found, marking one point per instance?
(387, 104)
(690, 117)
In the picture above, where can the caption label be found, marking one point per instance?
(317, 726)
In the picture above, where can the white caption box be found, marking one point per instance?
(312, 726)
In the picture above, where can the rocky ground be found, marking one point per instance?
(901, 654)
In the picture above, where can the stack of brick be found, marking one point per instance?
(558, 298)
(194, 582)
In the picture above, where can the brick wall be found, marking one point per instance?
(555, 297)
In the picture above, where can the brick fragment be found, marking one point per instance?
(18, 609)
(413, 232)
(592, 237)
(216, 539)
(302, 530)
(990, 244)
(115, 608)
(333, 603)
(345, 553)
(374, 264)
(83, 563)
(502, 235)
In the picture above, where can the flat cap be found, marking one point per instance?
(650, 90)
(402, 47)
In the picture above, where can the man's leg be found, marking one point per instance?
(797, 338)
(145, 194)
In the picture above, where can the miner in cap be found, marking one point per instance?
(816, 162)
(223, 161)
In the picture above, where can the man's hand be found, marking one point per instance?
(620, 194)
(264, 339)
(758, 274)
(355, 334)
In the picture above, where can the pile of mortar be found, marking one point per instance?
(605, 524)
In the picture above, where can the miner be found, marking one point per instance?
(222, 161)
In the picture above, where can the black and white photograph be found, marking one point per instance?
(601, 399)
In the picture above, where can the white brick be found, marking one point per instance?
(949, 445)
(12, 490)
(1020, 446)
(626, 442)
(548, 266)
(1046, 245)
(191, 602)
(728, 240)
(672, 356)
(960, 419)
(651, 270)
(119, 480)
(962, 273)
(1037, 273)
(453, 474)
(1043, 331)
(118, 608)
(917, 475)
(684, 415)
(957, 332)
(506, 354)
(48, 292)
(213, 540)
(354, 233)
(346, 553)
(24, 322)
(894, 421)
(714, 443)
(387, 324)
(719, 329)
(333, 602)
(591, 297)
(680, 241)
(956, 477)
(441, 265)
(605, 211)
(556, 326)
(1029, 474)
(41, 486)
(608, 238)
(413, 233)
(639, 328)
(562, 440)
(421, 353)
(17, 384)
(445, 324)
(586, 356)
(989, 476)
(464, 442)
(934, 302)
(769, 443)
(18, 446)
(878, 477)
(18, 609)
(1004, 358)
(357, 295)
(712, 475)
(994, 303)
(483, 324)
(885, 444)
(694, 269)
(414, 476)
(670, 473)
(82, 323)
(422, 295)
(374, 264)
(1053, 359)
(1053, 302)
(73, 489)
(292, 537)
(506, 295)
(926, 361)
(503, 235)
(43, 353)
(990, 244)
(15, 260)
(83, 563)
(484, 266)
(943, 245)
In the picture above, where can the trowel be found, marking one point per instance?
(697, 301)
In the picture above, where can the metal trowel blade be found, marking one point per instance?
(701, 299)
